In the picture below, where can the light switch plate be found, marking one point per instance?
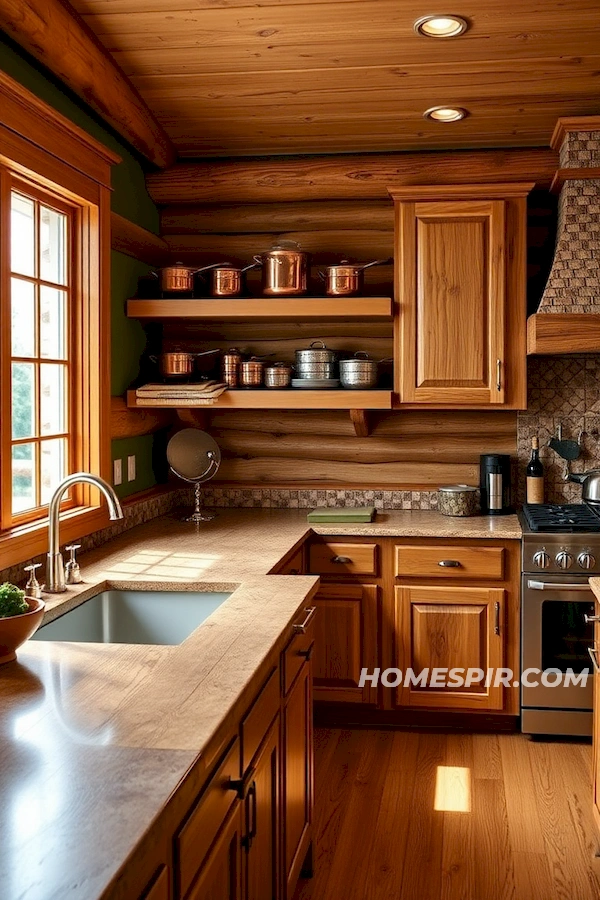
(131, 468)
(117, 471)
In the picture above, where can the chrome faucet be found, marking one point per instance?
(55, 573)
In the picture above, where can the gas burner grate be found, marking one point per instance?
(554, 518)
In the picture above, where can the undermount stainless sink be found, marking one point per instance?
(134, 617)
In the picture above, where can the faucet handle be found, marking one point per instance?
(72, 570)
(33, 588)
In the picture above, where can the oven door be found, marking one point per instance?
(555, 635)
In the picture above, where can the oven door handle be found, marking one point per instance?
(556, 586)
(592, 651)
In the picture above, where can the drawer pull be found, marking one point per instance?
(242, 785)
(302, 627)
(342, 560)
(307, 654)
(497, 612)
(587, 619)
(251, 817)
(449, 564)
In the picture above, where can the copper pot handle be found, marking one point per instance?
(376, 262)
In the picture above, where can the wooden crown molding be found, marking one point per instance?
(462, 192)
(584, 174)
(53, 33)
(554, 333)
(567, 124)
(38, 123)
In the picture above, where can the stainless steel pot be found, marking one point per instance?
(179, 279)
(316, 370)
(358, 373)
(284, 270)
(227, 280)
(278, 376)
(590, 485)
(345, 279)
(315, 354)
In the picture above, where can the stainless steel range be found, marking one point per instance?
(561, 550)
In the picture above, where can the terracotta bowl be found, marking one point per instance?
(15, 630)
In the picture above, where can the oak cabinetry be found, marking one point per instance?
(262, 821)
(221, 876)
(297, 771)
(160, 886)
(460, 286)
(450, 627)
(440, 561)
(596, 726)
(345, 641)
(343, 558)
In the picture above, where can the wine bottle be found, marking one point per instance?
(535, 474)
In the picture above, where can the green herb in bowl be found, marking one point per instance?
(12, 601)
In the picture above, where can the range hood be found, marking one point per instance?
(568, 318)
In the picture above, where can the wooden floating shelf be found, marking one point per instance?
(263, 308)
(288, 399)
(555, 333)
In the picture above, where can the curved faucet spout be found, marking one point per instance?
(55, 576)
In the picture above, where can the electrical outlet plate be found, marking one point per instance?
(131, 468)
(117, 472)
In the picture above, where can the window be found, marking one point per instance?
(41, 358)
(54, 321)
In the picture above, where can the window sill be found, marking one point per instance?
(26, 541)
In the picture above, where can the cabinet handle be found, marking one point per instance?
(307, 654)
(251, 817)
(449, 564)
(588, 619)
(594, 658)
(242, 785)
(497, 621)
(301, 627)
(342, 560)
(499, 374)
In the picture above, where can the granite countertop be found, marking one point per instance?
(595, 586)
(95, 738)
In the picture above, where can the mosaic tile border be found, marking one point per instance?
(309, 498)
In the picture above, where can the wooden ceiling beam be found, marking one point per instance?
(54, 34)
(344, 177)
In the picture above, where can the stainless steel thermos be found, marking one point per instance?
(494, 484)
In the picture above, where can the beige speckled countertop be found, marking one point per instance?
(83, 726)
(595, 586)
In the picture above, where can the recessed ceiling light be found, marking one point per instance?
(445, 113)
(441, 26)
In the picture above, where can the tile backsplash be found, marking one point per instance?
(562, 390)
(308, 498)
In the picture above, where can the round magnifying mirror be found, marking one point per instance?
(195, 457)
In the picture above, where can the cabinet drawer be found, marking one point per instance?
(256, 722)
(438, 561)
(294, 565)
(299, 648)
(193, 841)
(331, 558)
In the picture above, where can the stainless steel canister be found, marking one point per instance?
(278, 376)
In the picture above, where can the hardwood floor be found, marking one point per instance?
(529, 834)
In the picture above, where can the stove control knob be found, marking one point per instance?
(586, 560)
(564, 560)
(541, 559)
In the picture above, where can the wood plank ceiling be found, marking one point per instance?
(252, 77)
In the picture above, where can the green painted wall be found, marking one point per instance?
(129, 199)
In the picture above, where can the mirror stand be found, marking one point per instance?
(199, 515)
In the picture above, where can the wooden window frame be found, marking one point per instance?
(43, 149)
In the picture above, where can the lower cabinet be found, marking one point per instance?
(596, 727)
(345, 641)
(221, 875)
(260, 842)
(447, 627)
(297, 777)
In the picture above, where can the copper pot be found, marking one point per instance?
(227, 280)
(230, 367)
(284, 270)
(178, 363)
(346, 279)
(251, 373)
(179, 279)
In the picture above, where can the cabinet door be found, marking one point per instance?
(450, 628)
(297, 780)
(345, 642)
(596, 728)
(261, 837)
(451, 288)
(220, 876)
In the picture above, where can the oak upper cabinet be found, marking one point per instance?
(345, 641)
(449, 627)
(460, 290)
